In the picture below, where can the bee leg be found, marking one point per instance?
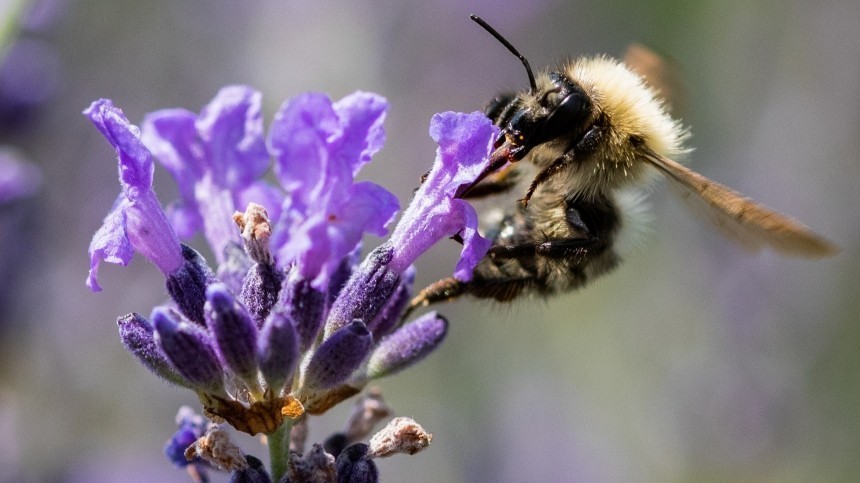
(544, 175)
(548, 249)
(440, 291)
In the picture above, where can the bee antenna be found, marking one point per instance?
(510, 47)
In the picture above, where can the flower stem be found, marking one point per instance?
(279, 449)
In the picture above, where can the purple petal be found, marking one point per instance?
(298, 138)
(231, 128)
(135, 161)
(172, 137)
(361, 114)
(110, 243)
(138, 220)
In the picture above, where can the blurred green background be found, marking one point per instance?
(695, 361)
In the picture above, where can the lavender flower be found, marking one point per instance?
(137, 221)
(319, 147)
(290, 323)
(465, 142)
(216, 158)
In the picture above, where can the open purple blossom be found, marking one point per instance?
(319, 146)
(216, 158)
(137, 222)
(290, 322)
(465, 144)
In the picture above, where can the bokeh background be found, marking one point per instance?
(695, 361)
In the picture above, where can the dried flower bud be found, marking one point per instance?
(315, 466)
(401, 435)
(216, 448)
(367, 412)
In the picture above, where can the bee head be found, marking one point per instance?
(559, 112)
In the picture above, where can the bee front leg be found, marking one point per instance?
(548, 249)
(546, 174)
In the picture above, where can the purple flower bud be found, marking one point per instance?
(465, 144)
(187, 285)
(407, 345)
(354, 466)
(306, 307)
(390, 315)
(254, 473)
(278, 350)
(189, 350)
(137, 222)
(234, 332)
(260, 290)
(136, 334)
(366, 292)
(339, 356)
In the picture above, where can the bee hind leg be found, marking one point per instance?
(440, 291)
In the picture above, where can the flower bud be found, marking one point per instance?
(189, 350)
(390, 315)
(277, 350)
(187, 285)
(407, 345)
(366, 292)
(306, 306)
(137, 336)
(234, 332)
(341, 354)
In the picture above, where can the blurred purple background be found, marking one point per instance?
(694, 361)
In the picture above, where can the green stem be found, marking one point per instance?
(279, 449)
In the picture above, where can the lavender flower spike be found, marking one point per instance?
(465, 144)
(137, 222)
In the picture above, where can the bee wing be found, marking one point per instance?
(752, 224)
(660, 74)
